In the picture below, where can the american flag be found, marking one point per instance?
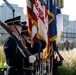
(32, 19)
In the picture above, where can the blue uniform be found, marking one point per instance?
(16, 61)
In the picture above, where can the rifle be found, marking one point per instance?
(61, 58)
(18, 39)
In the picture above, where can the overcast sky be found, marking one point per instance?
(69, 6)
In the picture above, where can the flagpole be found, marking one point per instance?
(52, 58)
(13, 10)
(32, 1)
(51, 73)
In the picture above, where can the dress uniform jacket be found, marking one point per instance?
(15, 59)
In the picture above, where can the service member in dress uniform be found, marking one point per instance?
(14, 58)
(27, 36)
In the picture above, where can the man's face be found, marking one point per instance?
(19, 28)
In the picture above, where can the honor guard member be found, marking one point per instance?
(27, 36)
(12, 53)
(14, 57)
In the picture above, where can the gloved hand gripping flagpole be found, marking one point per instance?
(13, 10)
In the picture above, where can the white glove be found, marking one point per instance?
(64, 61)
(44, 72)
(32, 59)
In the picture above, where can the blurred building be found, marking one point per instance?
(65, 20)
(69, 28)
(6, 13)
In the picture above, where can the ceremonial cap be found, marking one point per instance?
(24, 23)
(25, 31)
(12, 21)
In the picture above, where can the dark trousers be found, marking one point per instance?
(1, 72)
(19, 71)
(55, 70)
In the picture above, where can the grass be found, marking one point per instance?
(2, 56)
(69, 56)
(70, 67)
